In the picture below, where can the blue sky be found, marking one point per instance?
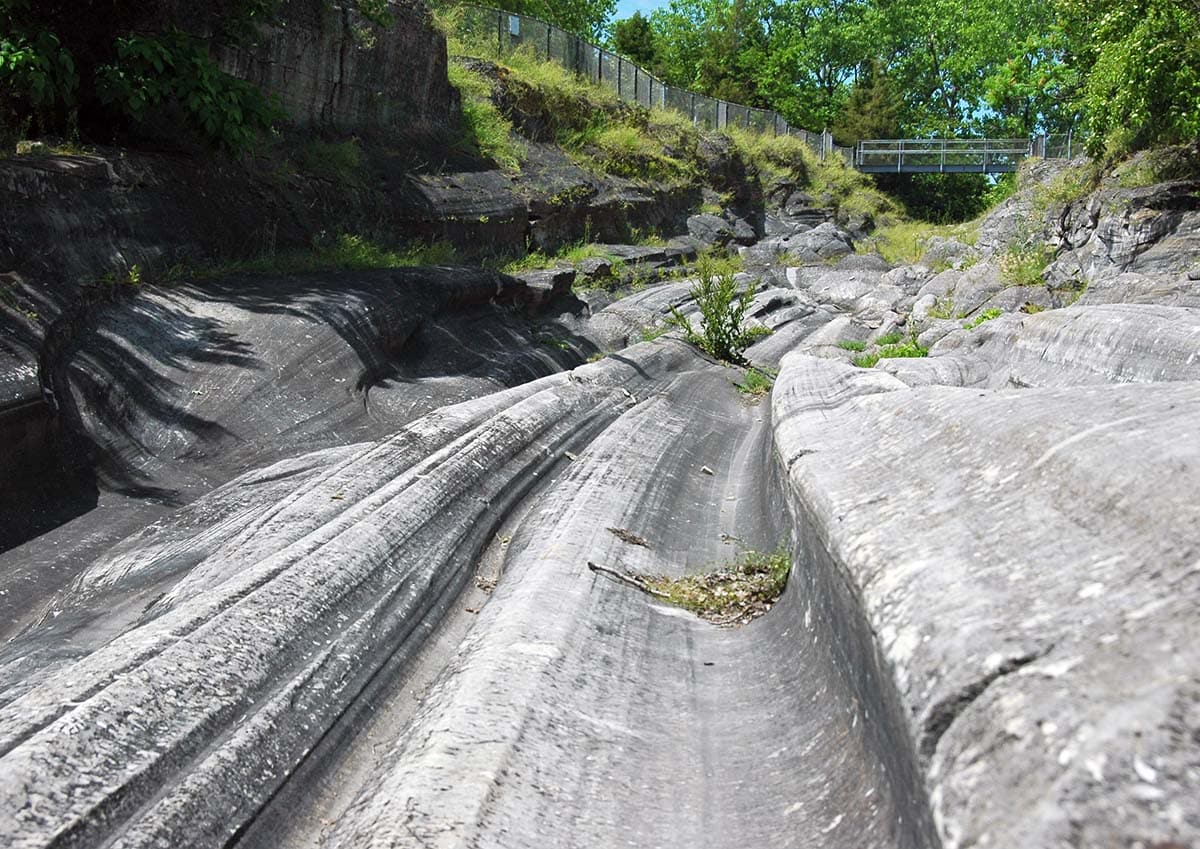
(625, 8)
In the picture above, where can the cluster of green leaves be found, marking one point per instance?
(176, 70)
(37, 77)
(734, 593)
(890, 346)
(1139, 61)
(723, 330)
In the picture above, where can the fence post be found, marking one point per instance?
(499, 34)
(549, 44)
(943, 166)
(1069, 131)
(621, 74)
(693, 108)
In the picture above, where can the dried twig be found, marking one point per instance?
(624, 577)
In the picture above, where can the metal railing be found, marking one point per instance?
(941, 156)
(509, 31)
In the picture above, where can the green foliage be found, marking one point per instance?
(37, 78)
(735, 593)
(346, 251)
(1023, 266)
(723, 332)
(852, 345)
(986, 315)
(1070, 184)
(873, 108)
(634, 39)
(942, 308)
(1140, 64)
(757, 382)
(890, 338)
(174, 70)
(899, 348)
(484, 131)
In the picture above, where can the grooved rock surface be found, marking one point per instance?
(1028, 565)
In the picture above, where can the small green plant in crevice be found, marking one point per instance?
(1067, 186)
(852, 345)
(757, 382)
(557, 344)
(890, 338)
(1024, 266)
(655, 331)
(733, 594)
(900, 348)
(986, 315)
(1030, 308)
(943, 307)
(723, 330)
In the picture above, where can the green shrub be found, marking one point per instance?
(175, 70)
(890, 338)
(37, 79)
(723, 332)
(852, 345)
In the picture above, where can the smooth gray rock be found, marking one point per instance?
(1030, 580)
(710, 229)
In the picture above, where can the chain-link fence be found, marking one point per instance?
(508, 31)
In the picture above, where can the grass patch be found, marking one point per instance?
(986, 315)
(1023, 266)
(655, 331)
(905, 243)
(757, 382)
(733, 594)
(1030, 308)
(942, 308)
(485, 131)
(900, 348)
(346, 252)
(852, 345)
(1067, 186)
(890, 338)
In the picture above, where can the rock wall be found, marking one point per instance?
(332, 68)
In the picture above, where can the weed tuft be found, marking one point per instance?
(986, 315)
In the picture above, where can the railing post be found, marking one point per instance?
(985, 156)
(1070, 130)
(549, 43)
(499, 34)
(942, 169)
(621, 74)
(693, 108)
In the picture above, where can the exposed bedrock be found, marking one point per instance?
(228, 647)
(1027, 559)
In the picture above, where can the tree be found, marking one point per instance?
(634, 39)
(1139, 65)
(873, 108)
(588, 18)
